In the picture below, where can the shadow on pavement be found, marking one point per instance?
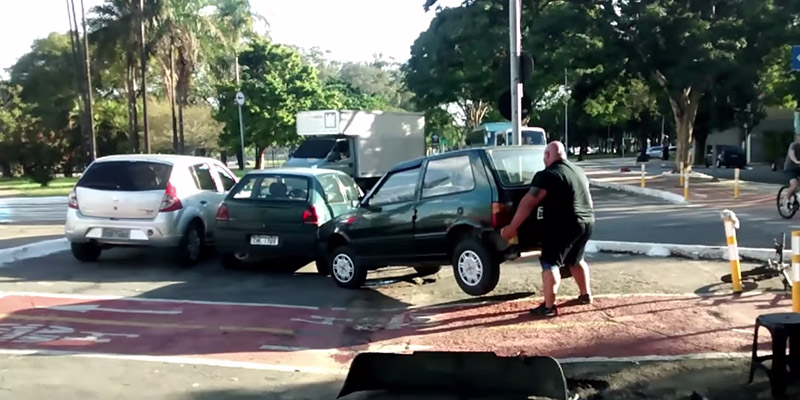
(675, 380)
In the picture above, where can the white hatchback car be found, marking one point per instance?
(146, 200)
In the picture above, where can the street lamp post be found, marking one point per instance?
(514, 17)
(240, 103)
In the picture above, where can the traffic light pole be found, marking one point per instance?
(514, 16)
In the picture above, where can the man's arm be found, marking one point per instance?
(791, 153)
(524, 210)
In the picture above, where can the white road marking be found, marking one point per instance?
(282, 348)
(84, 308)
(182, 360)
(147, 299)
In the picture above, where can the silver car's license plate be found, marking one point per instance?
(258, 240)
(112, 233)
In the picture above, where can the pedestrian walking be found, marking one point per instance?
(562, 190)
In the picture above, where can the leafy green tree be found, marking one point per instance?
(684, 48)
(47, 81)
(277, 84)
(457, 60)
(439, 121)
(115, 30)
(25, 139)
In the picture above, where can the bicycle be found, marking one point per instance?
(787, 207)
(771, 269)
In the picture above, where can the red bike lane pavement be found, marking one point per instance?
(319, 338)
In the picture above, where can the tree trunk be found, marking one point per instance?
(5, 168)
(684, 110)
(259, 157)
(171, 93)
(181, 142)
(133, 123)
(240, 158)
(223, 157)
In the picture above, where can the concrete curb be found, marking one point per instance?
(695, 252)
(33, 250)
(642, 191)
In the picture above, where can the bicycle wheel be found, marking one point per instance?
(786, 208)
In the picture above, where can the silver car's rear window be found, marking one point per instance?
(127, 176)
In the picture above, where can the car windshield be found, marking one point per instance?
(126, 176)
(533, 137)
(518, 166)
(314, 148)
(271, 187)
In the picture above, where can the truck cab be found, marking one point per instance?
(500, 134)
(362, 144)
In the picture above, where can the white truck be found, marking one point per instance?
(363, 144)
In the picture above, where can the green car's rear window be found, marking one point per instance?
(516, 167)
(272, 187)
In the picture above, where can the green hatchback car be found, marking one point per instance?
(442, 209)
(275, 214)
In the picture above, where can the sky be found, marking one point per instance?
(350, 30)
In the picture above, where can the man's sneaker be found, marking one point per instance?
(544, 311)
(585, 299)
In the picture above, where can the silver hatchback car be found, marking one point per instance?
(146, 200)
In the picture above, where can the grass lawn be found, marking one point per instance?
(27, 188)
(24, 187)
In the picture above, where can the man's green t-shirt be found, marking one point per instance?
(568, 198)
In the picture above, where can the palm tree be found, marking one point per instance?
(183, 29)
(236, 18)
(115, 28)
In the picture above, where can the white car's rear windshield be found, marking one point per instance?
(126, 176)
(518, 166)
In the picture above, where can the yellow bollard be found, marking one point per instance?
(795, 271)
(643, 173)
(736, 184)
(685, 186)
(681, 173)
(731, 225)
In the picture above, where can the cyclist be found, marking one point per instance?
(792, 166)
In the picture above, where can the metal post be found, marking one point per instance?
(88, 110)
(514, 17)
(143, 56)
(796, 271)
(680, 172)
(736, 184)
(241, 137)
(731, 225)
(566, 113)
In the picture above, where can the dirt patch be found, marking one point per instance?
(714, 379)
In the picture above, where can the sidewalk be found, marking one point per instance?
(703, 189)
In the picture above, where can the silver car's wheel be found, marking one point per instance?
(470, 268)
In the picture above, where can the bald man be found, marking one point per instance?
(563, 192)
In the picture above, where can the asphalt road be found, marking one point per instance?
(620, 216)
(134, 300)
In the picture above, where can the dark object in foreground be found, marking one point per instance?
(473, 373)
(785, 367)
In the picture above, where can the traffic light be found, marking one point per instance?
(525, 72)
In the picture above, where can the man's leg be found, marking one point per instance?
(551, 279)
(580, 272)
(792, 187)
(578, 265)
(552, 257)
